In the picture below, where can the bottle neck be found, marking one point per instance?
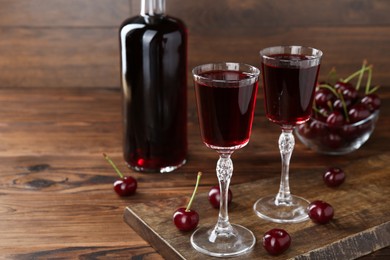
(152, 7)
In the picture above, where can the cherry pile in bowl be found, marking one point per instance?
(344, 115)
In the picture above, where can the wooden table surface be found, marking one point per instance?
(56, 196)
(60, 109)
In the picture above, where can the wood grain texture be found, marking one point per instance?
(358, 228)
(89, 57)
(56, 197)
(59, 57)
(63, 13)
(75, 44)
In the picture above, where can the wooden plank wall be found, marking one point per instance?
(73, 43)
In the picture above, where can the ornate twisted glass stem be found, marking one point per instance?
(224, 173)
(284, 207)
(286, 147)
(223, 239)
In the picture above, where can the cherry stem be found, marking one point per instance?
(369, 79)
(194, 192)
(350, 77)
(113, 165)
(361, 75)
(374, 89)
(329, 103)
(330, 88)
(344, 108)
(316, 110)
(332, 76)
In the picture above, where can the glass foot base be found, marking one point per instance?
(293, 212)
(236, 241)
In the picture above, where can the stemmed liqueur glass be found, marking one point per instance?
(225, 96)
(289, 78)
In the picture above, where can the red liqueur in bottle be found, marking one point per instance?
(154, 82)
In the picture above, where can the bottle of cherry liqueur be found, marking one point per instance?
(153, 51)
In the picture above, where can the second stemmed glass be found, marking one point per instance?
(289, 79)
(225, 96)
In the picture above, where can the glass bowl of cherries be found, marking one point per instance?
(344, 114)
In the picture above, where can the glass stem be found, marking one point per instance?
(224, 173)
(286, 147)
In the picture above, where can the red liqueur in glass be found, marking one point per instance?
(226, 112)
(289, 91)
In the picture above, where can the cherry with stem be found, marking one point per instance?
(186, 219)
(126, 185)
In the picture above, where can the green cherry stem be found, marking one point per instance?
(350, 77)
(194, 192)
(361, 74)
(330, 105)
(330, 88)
(374, 89)
(317, 111)
(332, 76)
(344, 108)
(369, 79)
(113, 165)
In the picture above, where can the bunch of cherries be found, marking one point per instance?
(339, 104)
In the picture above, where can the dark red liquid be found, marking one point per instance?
(225, 113)
(154, 81)
(289, 91)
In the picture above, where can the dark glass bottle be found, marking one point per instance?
(154, 82)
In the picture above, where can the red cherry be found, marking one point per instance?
(358, 112)
(322, 97)
(125, 186)
(320, 212)
(304, 130)
(276, 241)
(322, 114)
(215, 196)
(334, 177)
(316, 127)
(332, 140)
(349, 132)
(348, 91)
(338, 104)
(335, 118)
(372, 101)
(186, 219)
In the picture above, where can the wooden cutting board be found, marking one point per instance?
(361, 224)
